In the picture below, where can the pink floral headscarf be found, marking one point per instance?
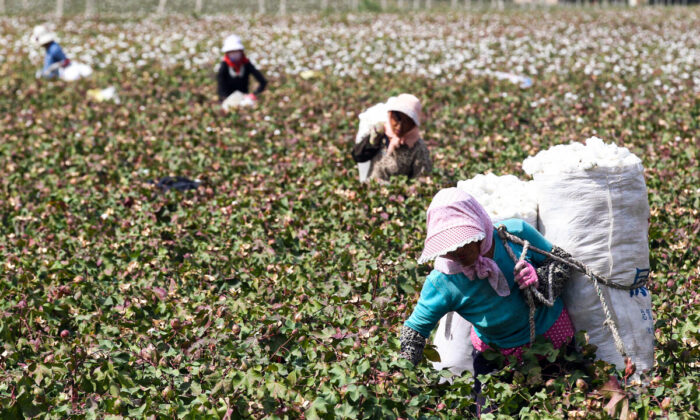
(455, 219)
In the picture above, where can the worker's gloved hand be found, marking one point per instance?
(375, 133)
(412, 345)
(525, 274)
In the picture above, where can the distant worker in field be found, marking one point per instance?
(475, 276)
(394, 147)
(55, 58)
(234, 75)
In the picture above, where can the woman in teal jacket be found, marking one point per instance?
(474, 276)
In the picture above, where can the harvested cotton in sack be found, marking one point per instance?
(503, 197)
(237, 99)
(74, 71)
(368, 119)
(592, 202)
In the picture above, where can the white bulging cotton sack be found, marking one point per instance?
(453, 342)
(74, 71)
(237, 99)
(503, 197)
(371, 116)
(593, 203)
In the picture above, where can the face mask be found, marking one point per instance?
(235, 55)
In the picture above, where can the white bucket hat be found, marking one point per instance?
(407, 104)
(232, 43)
(41, 35)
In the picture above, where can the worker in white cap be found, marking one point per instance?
(55, 58)
(236, 69)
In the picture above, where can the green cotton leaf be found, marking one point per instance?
(552, 356)
(138, 411)
(355, 392)
(534, 376)
(319, 406)
(346, 410)
(195, 388)
(114, 389)
(292, 378)
(363, 367)
(40, 372)
(339, 375)
(492, 355)
(430, 352)
(106, 344)
(219, 385)
(277, 389)
(29, 409)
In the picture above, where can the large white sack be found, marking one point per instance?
(370, 117)
(74, 71)
(237, 99)
(503, 197)
(593, 203)
(453, 342)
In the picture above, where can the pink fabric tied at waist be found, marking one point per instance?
(560, 333)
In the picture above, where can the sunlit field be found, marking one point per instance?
(279, 287)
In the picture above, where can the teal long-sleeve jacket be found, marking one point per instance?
(500, 321)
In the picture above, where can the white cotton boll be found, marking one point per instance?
(503, 197)
(371, 116)
(577, 156)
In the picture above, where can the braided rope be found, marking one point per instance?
(531, 292)
(528, 294)
(572, 262)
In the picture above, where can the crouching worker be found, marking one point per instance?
(475, 276)
(235, 71)
(396, 147)
(54, 58)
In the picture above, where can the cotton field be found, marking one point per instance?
(163, 257)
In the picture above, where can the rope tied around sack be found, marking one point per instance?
(532, 294)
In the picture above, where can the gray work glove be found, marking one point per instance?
(412, 345)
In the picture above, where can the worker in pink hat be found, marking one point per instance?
(475, 276)
(396, 147)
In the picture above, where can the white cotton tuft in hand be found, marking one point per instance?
(370, 117)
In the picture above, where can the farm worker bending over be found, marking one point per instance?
(236, 69)
(474, 276)
(55, 58)
(396, 147)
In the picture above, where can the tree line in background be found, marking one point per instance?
(282, 7)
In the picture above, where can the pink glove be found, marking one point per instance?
(525, 274)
